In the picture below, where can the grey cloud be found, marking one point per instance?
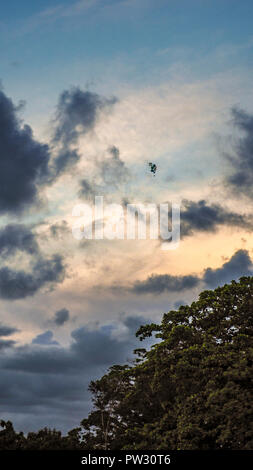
(61, 316)
(20, 284)
(65, 159)
(45, 339)
(157, 284)
(87, 190)
(6, 344)
(178, 303)
(113, 170)
(15, 237)
(41, 381)
(26, 165)
(77, 113)
(7, 330)
(239, 265)
(23, 162)
(242, 163)
(58, 229)
(201, 216)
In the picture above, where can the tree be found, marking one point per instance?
(193, 389)
(106, 426)
(9, 439)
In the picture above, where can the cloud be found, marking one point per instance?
(45, 339)
(242, 163)
(7, 330)
(15, 237)
(87, 189)
(6, 344)
(23, 163)
(65, 159)
(26, 165)
(178, 304)
(239, 265)
(47, 385)
(20, 284)
(59, 228)
(201, 216)
(113, 170)
(61, 316)
(157, 284)
(77, 113)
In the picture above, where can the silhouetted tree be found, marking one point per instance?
(193, 389)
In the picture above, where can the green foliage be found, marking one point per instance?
(191, 390)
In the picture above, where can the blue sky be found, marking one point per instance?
(106, 87)
(46, 46)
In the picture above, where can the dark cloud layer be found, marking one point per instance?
(25, 163)
(7, 330)
(6, 343)
(20, 284)
(201, 216)
(157, 284)
(23, 160)
(241, 179)
(46, 384)
(239, 265)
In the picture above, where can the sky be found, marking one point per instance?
(91, 92)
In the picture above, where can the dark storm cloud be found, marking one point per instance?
(15, 237)
(61, 316)
(45, 384)
(26, 164)
(201, 216)
(239, 265)
(242, 162)
(23, 160)
(157, 284)
(20, 284)
(7, 330)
